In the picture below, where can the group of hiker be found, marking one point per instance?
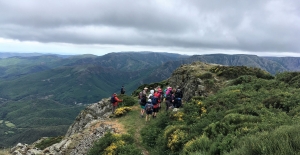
(151, 103)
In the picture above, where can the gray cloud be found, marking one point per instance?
(260, 26)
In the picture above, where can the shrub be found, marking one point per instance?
(206, 76)
(122, 111)
(243, 79)
(115, 144)
(175, 137)
(284, 140)
(291, 78)
(232, 72)
(127, 100)
(149, 135)
(201, 144)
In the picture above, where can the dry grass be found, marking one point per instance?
(4, 152)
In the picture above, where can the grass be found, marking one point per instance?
(4, 152)
(133, 123)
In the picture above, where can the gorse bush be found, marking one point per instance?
(113, 144)
(200, 144)
(122, 111)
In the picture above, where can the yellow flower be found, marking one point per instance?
(179, 115)
(121, 111)
(111, 149)
(175, 139)
(203, 110)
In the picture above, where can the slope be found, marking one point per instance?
(27, 120)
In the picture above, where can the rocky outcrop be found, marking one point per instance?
(90, 125)
(188, 79)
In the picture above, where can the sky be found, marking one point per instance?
(258, 27)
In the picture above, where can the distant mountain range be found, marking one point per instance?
(88, 78)
(69, 80)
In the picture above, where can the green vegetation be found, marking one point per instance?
(253, 113)
(232, 72)
(250, 116)
(115, 144)
(48, 142)
(9, 124)
(28, 120)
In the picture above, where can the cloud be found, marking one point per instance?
(257, 26)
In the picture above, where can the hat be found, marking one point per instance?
(149, 100)
(145, 88)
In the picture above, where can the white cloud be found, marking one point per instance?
(196, 26)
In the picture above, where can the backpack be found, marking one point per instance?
(154, 100)
(143, 100)
(112, 99)
(178, 93)
(165, 92)
(168, 97)
(148, 107)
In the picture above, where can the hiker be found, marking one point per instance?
(159, 90)
(151, 94)
(122, 90)
(169, 90)
(165, 91)
(115, 100)
(173, 97)
(142, 95)
(156, 103)
(148, 109)
(169, 99)
(158, 95)
(178, 97)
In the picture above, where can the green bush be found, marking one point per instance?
(127, 101)
(291, 78)
(284, 140)
(201, 144)
(206, 76)
(115, 144)
(232, 72)
(243, 79)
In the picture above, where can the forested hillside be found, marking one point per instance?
(68, 82)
